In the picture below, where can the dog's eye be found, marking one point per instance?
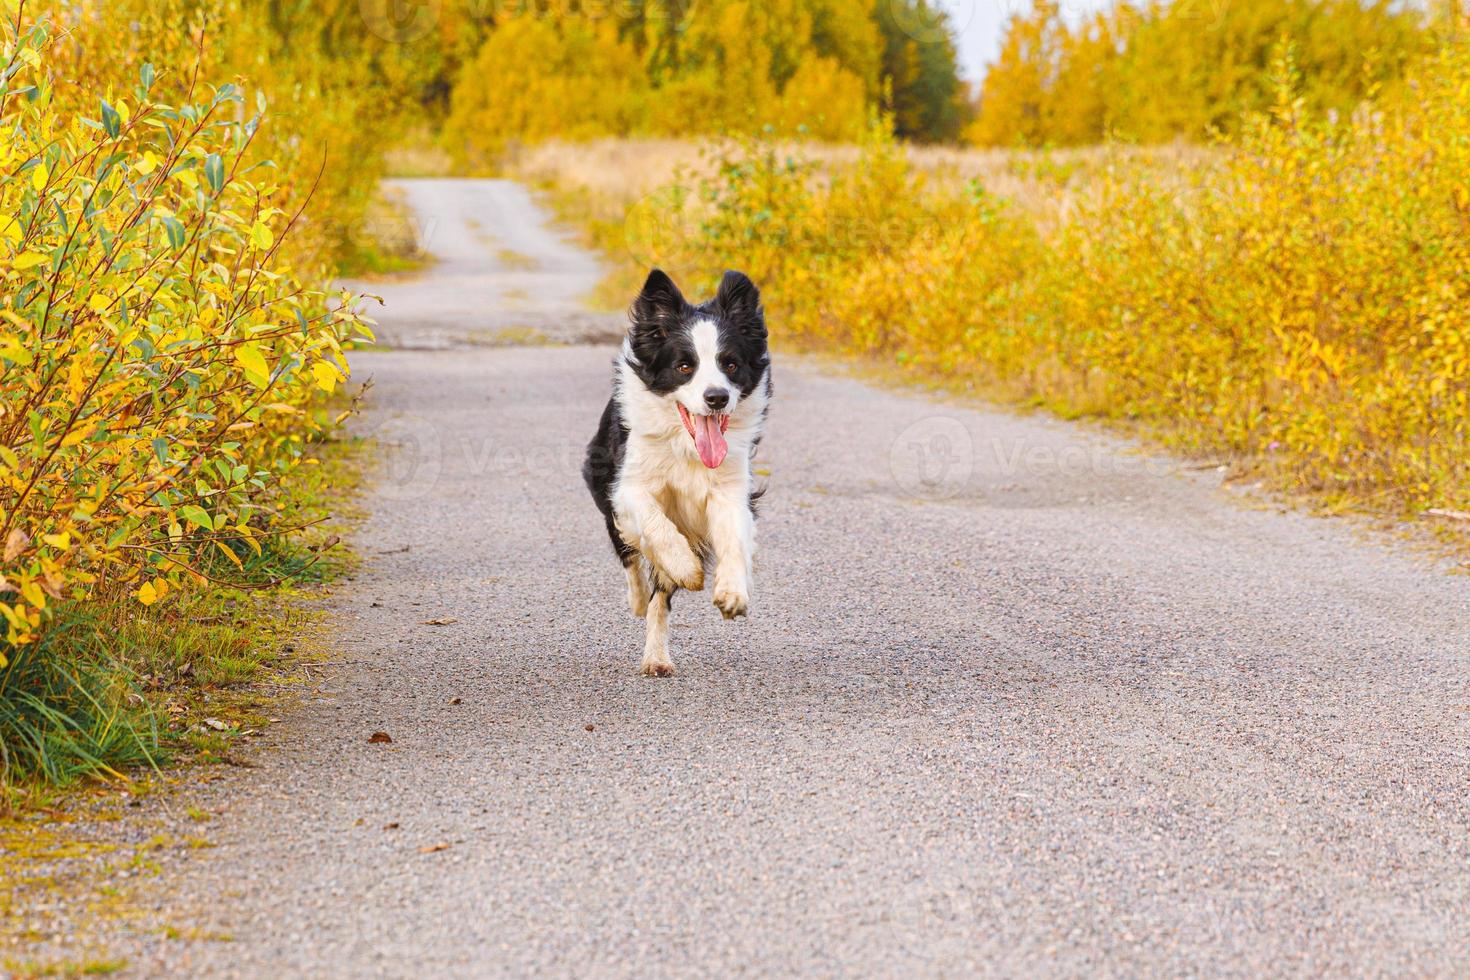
(685, 367)
(729, 365)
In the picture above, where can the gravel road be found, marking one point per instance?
(1013, 698)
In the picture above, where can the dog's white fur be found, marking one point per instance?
(672, 508)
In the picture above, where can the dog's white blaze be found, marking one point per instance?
(707, 375)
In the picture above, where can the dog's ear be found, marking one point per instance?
(740, 303)
(658, 307)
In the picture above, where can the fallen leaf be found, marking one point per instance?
(391, 826)
(216, 724)
(446, 621)
(1452, 515)
(379, 738)
(432, 848)
(589, 727)
(456, 700)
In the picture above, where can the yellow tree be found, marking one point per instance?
(1014, 95)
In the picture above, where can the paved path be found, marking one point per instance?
(1011, 699)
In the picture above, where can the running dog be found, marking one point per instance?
(670, 464)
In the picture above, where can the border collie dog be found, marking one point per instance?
(670, 464)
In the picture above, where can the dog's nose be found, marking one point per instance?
(716, 398)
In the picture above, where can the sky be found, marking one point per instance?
(979, 25)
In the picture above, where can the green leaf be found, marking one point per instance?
(197, 516)
(175, 229)
(214, 172)
(111, 121)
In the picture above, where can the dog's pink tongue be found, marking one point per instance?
(709, 440)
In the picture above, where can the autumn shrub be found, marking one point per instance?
(335, 92)
(162, 363)
(1296, 299)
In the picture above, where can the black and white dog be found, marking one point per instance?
(670, 464)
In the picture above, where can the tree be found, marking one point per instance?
(925, 95)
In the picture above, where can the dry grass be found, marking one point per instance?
(608, 175)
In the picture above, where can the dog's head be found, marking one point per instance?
(706, 359)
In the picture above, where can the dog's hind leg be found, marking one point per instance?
(638, 588)
(656, 662)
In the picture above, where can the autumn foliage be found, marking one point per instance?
(158, 355)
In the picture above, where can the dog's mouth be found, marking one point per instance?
(708, 433)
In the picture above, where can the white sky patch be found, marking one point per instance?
(979, 26)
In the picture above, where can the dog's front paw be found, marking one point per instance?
(731, 599)
(656, 668)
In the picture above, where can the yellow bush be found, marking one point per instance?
(158, 354)
(332, 105)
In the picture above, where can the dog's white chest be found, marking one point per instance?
(676, 479)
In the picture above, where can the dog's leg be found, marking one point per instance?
(647, 528)
(638, 590)
(656, 662)
(732, 537)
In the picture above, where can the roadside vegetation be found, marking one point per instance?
(169, 357)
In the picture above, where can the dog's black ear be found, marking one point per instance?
(659, 305)
(740, 303)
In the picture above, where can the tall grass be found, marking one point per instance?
(69, 709)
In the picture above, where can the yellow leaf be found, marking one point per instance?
(62, 540)
(148, 164)
(10, 229)
(260, 235)
(31, 592)
(229, 553)
(39, 176)
(27, 260)
(99, 303)
(147, 594)
(77, 435)
(15, 544)
(326, 375)
(249, 357)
